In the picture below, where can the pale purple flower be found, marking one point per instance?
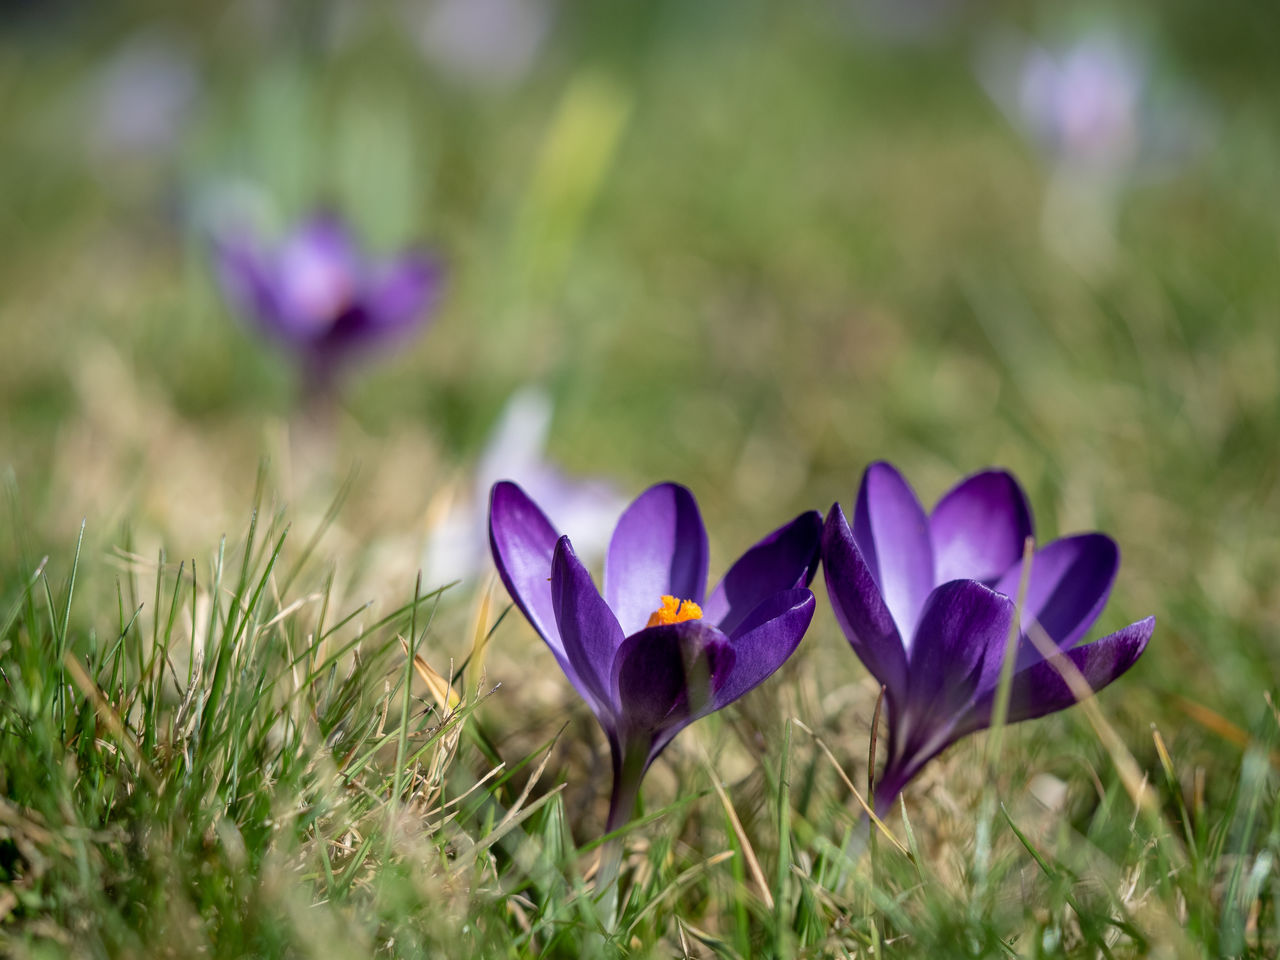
(585, 508)
(926, 602)
(1097, 107)
(655, 651)
(1103, 117)
(320, 295)
(1084, 105)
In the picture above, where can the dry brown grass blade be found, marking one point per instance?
(1004, 687)
(753, 863)
(479, 637)
(1215, 722)
(446, 698)
(25, 822)
(447, 701)
(528, 787)
(108, 715)
(289, 610)
(874, 742)
(466, 793)
(854, 790)
(1162, 752)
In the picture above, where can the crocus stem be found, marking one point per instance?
(312, 434)
(319, 398)
(629, 763)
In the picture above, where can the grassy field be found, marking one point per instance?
(747, 247)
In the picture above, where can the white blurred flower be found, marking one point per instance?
(585, 509)
(482, 43)
(140, 101)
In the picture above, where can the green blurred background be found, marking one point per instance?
(747, 246)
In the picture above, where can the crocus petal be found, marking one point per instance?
(978, 529)
(1040, 689)
(1070, 581)
(523, 543)
(859, 608)
(963, 624)
(246, 279)
(318, 269)
(658, 548)
(666, 677)
(589, 631)
(784, 560)
(325, 236)
(764, 640)
(402, 291)
(892, 533)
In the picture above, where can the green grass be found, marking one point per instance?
(746, 246)
(231, 767)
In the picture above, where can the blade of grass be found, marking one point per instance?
(1000, 708)
(402, 742)
(781, 926)
(102, 705)
(327, 521)
(748, 852)
(866, 808)
(1087, 926)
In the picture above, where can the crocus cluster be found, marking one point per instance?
(926, 600)
(317, 293)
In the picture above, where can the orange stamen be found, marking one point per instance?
(674, 610)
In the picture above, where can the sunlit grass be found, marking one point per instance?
(228, 765)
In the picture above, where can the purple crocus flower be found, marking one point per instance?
(925, 601)
(317, 293)
(655, 652)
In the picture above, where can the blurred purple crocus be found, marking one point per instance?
(655, 652)
(1087, 104)
(1083, 105)
(925, 601)
(1103, 116)
(317, 293)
